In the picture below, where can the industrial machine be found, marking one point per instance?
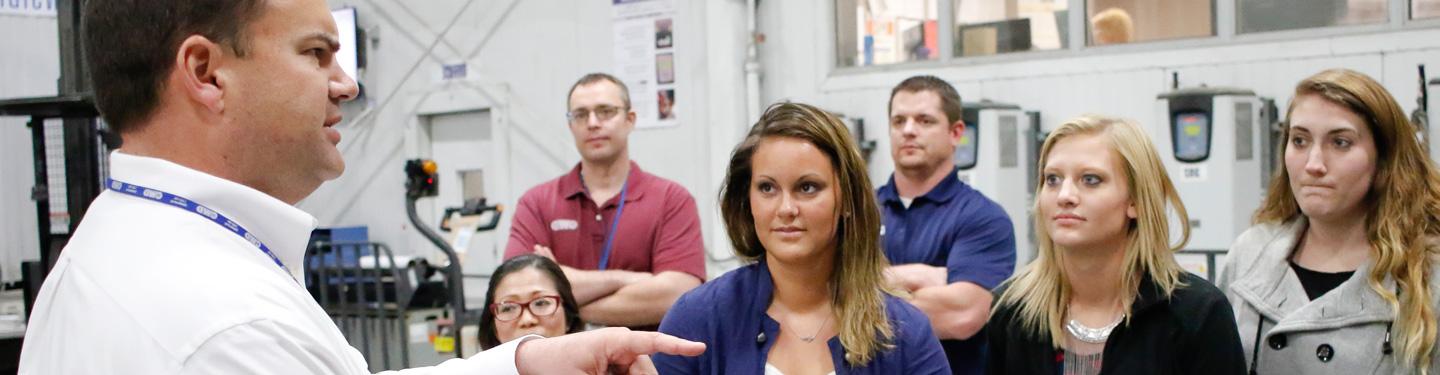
(1432, 110)
(399, 310)
(994, 157)
(1214, 142)
(422, 181)
(70, 147)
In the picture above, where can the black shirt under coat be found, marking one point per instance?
(1192, 332)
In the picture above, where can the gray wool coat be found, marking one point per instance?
(1341, 332)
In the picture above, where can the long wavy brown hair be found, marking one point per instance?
(1403, 205)
(857, 282)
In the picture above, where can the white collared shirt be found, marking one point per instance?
(147, 288)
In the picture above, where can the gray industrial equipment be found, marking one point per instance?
(82, 145)
(993, 157)
(1432, 109)
(1212, 143)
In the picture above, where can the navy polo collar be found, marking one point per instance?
(947, 189)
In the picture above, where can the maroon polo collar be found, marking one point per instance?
(571, 188)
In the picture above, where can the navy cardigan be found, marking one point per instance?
(728, 315)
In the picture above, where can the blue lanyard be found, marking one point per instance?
(188, 205)
(614, 222)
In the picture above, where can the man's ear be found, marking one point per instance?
(196, 65)
(957, 131)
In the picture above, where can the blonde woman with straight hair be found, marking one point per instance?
(1105, 295)
(1339, 274)
(798, 207)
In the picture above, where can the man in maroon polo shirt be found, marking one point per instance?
(628, 241)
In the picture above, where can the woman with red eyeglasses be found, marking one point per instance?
(528, 294)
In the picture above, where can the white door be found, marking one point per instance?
(470, 165)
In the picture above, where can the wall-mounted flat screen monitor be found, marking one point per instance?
(349, 56)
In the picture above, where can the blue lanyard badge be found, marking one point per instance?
(614, 224)
(196, 208)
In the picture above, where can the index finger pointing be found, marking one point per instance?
(642, 343)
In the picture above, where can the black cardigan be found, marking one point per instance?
(1192, 332)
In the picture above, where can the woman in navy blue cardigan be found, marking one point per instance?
(798, 207)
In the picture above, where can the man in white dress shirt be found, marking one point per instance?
(188, 263)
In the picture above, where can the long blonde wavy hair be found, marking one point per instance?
(856, 286)
(1042, 291)
(1403, 203)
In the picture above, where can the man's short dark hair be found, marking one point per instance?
(949, 98)
(130, 47)
(599, 77)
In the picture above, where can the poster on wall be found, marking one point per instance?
(40, 8)
(644, 40)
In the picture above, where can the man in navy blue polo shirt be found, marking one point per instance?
(948, 244)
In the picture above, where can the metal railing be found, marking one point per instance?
(1210, 261)
(364, 300)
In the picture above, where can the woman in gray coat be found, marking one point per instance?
(1338, 276)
